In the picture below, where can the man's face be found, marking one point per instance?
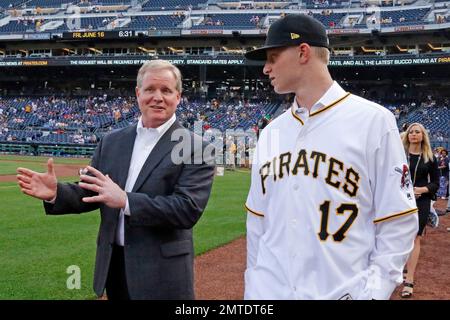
(280, 66)
(158, 97)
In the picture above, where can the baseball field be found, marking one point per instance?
(37, 250)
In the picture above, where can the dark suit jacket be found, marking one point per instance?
(165, 203)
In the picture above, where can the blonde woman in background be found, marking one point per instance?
(425, 178)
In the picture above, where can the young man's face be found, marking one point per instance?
(279, 67)
(157, 97)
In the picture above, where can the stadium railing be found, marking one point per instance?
(49, 150)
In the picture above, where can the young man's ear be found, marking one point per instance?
(304, 52)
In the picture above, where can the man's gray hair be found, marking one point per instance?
(159, 65)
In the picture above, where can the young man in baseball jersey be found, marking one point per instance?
(331, 209)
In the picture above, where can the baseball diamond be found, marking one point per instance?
(328, 121)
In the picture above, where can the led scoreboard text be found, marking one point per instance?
(82, 35)
(88, 35)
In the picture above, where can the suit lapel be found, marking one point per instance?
(164, 146)
(123, 157)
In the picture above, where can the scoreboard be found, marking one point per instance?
(97, 35)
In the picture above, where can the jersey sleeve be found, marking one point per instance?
(390, 179)
(256, 200)
(256, 210)
(395, 213)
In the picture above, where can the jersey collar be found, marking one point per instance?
(334, 95)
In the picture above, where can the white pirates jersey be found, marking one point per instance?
(331, 208)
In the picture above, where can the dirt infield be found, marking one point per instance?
(62, 170)
(219, 273)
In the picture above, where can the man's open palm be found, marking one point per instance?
(39, 185)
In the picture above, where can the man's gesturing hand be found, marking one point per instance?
(108, 191)
(39, 185)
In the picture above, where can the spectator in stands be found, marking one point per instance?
(425, 180)
(405, 127)
(262, 123)
(149, 198)
(231, 153)
(443, 174)
(437, 152)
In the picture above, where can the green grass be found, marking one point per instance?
(9, 164)
(224, 217)
(8, 167)
(44, 159)
(36, 250)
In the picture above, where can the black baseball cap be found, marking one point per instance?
(291, 30)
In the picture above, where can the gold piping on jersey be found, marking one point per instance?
(253, 211)
(330, 105)
(396, 215)
(296, 116)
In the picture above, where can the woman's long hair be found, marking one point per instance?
(425, 145)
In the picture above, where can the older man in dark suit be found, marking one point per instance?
(151, 190)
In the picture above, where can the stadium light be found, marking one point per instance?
(151, 51)
(69, 51)
(366, 50)
(175, 50)
(434, 48)
(401, 49)
(95, 50)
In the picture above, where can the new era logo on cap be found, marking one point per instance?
(291, 30)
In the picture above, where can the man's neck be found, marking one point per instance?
(308, 95)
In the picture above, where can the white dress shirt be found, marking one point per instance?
(146, 139)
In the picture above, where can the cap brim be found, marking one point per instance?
(260, 53)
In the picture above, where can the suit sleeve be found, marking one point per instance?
(69, 195)
(181, 209)
(395, 214)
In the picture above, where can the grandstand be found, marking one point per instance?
(198, 14)
(69, 66)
